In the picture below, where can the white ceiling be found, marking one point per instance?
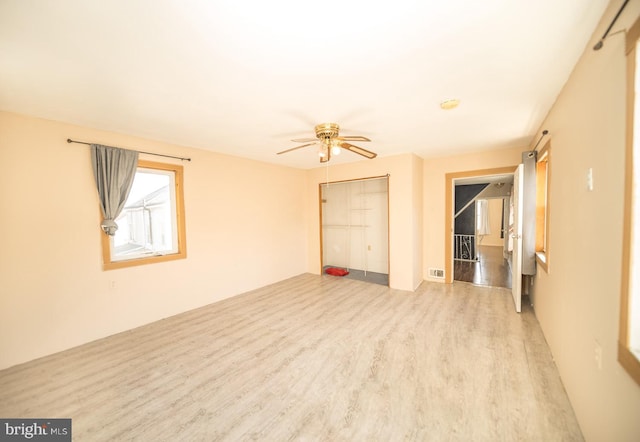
(244, 77)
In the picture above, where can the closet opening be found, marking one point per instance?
(354, 234)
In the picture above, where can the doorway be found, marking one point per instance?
(481, 254)
(486, 264)
(354, 217)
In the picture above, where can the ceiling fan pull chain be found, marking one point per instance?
(327, 174)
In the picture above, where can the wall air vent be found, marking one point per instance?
(436, 273)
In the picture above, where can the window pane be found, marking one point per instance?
(634, 284)
(147, 223)
(483, 226)
(541, 205)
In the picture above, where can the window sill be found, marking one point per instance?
(541, 258)
(112, 265)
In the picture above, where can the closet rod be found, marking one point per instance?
(69, 140)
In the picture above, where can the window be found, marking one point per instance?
(151, 225)
(542, 207)
(629, 336)
(483, 226)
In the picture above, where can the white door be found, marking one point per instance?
(516, 235)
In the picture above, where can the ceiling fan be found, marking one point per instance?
(331, 143)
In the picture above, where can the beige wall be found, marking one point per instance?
(418, 220)
(245, 225)
(577, 302)
(434, 195)
(404, 220)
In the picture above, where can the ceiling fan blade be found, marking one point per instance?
(358, 150)
(304, 140)
(353, 138)
(295, 148)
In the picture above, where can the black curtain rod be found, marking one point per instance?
(69, 140)
(598, 45)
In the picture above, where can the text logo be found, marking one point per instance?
(58, 430)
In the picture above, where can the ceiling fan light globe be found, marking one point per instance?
(335, 150)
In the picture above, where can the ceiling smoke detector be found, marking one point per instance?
(449, 104)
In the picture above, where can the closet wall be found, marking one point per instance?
(355, 225)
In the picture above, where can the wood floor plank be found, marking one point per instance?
(311, 358)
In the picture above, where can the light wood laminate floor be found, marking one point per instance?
(311, 358)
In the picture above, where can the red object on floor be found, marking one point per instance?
(336, 272)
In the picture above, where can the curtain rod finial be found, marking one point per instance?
(69, 140)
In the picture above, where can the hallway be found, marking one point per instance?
(491, 269)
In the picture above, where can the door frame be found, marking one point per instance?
(449, 205)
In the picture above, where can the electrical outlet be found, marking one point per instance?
(597, 355)
(112, 285)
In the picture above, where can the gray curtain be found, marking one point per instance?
(114, 170)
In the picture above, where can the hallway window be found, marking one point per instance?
(483, 225)
(629, 339)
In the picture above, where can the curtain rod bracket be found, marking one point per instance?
(600, 42)
(544, 132)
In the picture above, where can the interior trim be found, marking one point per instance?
(448, 211)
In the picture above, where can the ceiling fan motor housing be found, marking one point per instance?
(327, 131)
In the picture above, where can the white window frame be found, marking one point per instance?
(630, 293)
